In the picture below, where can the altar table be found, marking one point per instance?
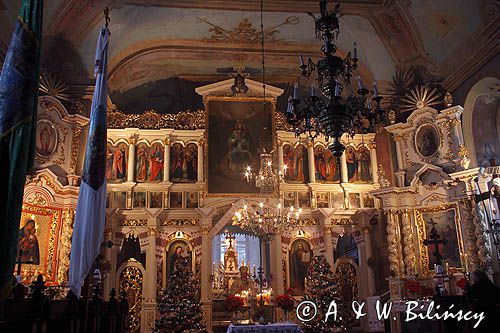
(270, 328)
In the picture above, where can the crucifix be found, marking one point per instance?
(435, 239)
(230, 239)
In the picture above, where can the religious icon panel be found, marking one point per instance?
(149, 162)
(300, 257)
(445, 224)
(175, 199)
(191, 199)
(326, 165)
(177, 250)
(237, 132)
(295, 161)
(427, 140)
(117, 162)
(155, 199)
(184, 163)
(46, 138)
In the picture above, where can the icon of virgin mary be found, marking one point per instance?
(29, 251)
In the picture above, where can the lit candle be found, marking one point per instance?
(375, 90)
(296, 91)
(355, 52)
(301, 59)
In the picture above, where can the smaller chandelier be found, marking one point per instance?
(267, 179)
(265, 220)
(336, 113)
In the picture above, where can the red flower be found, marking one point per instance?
(462, 283)
(233, 303)
(285, 302)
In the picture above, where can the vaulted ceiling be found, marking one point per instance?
(155, 40)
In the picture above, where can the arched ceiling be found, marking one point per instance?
(154, 40)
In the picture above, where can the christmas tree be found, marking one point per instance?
(322, 287)
(179, 305)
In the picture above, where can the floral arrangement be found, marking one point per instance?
(285, 302)
(413, 287)
(233, 303)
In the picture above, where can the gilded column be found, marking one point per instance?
(65, 241)
(467, 212)
(393, 243)
(131, 158)
(310, 160)
(201, 158)
(481, 240)
(166, 161)
(343, 168)
(410, 257)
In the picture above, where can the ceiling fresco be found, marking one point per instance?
(155, 40)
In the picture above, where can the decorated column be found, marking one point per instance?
(201, 142)
(166, 161)
(277, 266)
(206, 270)
(394, 243)
(410, 257)
(343, 166)
(373, 160)
(400, 174)
(149, 307)
(281, 164)
(328, 245)
(131, 157)
(369, 254)
(310, 160)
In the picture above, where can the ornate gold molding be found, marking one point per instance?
(393, 244)
(342, 221)
(65, 241)
(133, 223)
(180, 222)
(184, 120)
(75, 143)
(410, 257)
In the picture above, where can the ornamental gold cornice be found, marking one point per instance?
(180, 222)
(308, 222)
(342, 221)
(133, 223)
(184, 120)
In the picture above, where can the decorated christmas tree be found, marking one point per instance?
(322, 287)
(179, 305)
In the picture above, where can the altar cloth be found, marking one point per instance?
(287, 327)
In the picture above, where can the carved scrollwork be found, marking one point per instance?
(179, 222)
(131, 283)
(184, 120)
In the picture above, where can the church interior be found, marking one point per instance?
(262, 159)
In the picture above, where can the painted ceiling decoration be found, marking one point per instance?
(155, 40)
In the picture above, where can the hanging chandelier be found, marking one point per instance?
(265, 220)
(338, 111)
(267, 179)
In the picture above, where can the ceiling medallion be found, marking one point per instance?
(337, 111)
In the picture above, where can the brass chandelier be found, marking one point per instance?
(265, 220)
(336, 112)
